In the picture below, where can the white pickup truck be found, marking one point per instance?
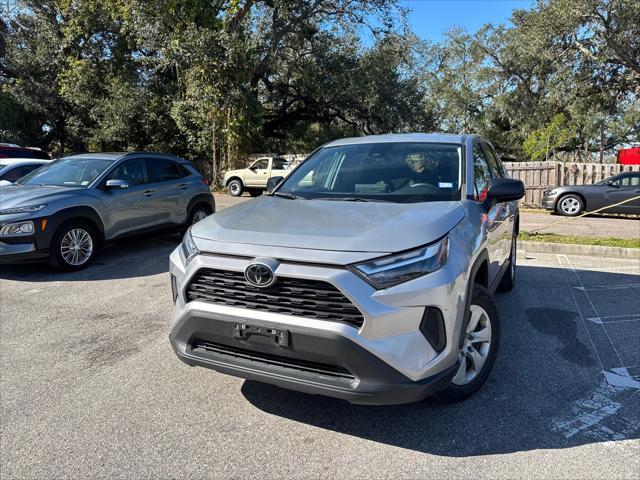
(254, 178)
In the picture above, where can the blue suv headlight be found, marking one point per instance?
(28, 209)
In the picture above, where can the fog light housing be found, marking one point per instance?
(18, 229)
(432, 327)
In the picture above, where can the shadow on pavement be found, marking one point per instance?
(546, 383)
(127, 258)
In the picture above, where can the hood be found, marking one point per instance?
(25, 195)
(331, 225)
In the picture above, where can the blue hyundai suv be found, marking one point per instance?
(63, 210)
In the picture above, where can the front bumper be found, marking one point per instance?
(387, 360)
(28, 248)
(262, 360)
(549, 201)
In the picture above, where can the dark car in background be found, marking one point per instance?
(10, 150)
(572, 200)
(64, 210)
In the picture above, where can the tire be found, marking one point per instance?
(466, 381)
(509, 276)
(255, 192)
(69, 235)
(235, 188)
(199, 212)
(570, 205)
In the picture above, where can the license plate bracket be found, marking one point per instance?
(279, 336)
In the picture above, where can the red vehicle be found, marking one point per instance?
(9, 150)
(629, 156)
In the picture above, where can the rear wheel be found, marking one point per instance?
(73, 246)
(199, 212)
(479, 348)
(235, 188)
(570, 205)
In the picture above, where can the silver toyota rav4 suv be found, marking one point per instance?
(367, 274)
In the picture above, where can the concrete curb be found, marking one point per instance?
(585, 250)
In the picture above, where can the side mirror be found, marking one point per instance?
(116, 184)
(503, 190)
(613, 184)
(272, 183)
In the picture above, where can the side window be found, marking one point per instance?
(481, 173)
(497, 169)
(279, 164)
(630, 181)
(494, 166)
(260, 164)
(161, 169)
(133, 172)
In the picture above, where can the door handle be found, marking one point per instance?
(148, 193)
(183, 186)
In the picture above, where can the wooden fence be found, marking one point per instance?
(538, 176)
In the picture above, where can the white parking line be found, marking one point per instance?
(608, 287)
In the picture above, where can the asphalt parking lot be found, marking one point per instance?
(91, 388)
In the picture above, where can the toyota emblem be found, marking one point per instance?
(259, 275)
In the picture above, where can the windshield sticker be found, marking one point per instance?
(445, 185)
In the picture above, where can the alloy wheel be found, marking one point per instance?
(76, 246)
(475, 348)
(570, 205)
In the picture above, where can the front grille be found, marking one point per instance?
(290, 296)
(326, 370)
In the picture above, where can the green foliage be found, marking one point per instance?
(215, 81)
(547, 139)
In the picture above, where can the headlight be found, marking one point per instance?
(392, 270)
(29, 209)
(189, 249)
(20, 229)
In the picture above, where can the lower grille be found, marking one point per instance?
(274, 360)
(289, 296)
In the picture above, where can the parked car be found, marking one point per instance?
(254, 178)
(367, 274)
(13, 169)
(65, 209)
(10, 150)
(572, 200)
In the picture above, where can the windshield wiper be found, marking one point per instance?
(350, 199)
(289, 196)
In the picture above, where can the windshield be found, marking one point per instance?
(392, 172)
(67, 172)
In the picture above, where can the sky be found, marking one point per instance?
(429, 19)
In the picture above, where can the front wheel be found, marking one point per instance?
(235, 188)
(570, 205)
(479, 349)
(73, 246)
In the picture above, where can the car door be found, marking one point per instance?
(624, 187)
(258, 173)
(127, 210)
(279, 168)
(169, 187)
(495, 217)
(505, 214)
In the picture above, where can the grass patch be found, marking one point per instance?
(575, 240)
